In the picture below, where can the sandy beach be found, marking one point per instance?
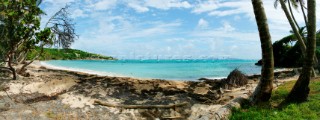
(50, 93)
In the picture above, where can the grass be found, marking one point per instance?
(65, 54)
(309, 110)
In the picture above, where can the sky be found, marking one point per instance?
(171, 29)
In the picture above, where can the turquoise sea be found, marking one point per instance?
(189, 69)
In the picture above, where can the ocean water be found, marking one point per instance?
(159, 69)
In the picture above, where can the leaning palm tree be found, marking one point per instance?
(263, 91)
(291, 4)
(299, 37)
(300, 91)
(294, 27)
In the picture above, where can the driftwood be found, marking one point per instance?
(97, 102)
(224, 112)
(28, 98)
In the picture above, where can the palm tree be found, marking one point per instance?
(294, 25)
(263, 91)
(300, 91)
(294, 5)
(302, 6)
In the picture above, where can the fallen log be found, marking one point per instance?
(97, 102)
(224, 112)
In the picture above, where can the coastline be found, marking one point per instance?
(42, 63)
(110, 74)
(56, 93)
(92, 72)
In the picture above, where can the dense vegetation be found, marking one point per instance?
(65, 54)
(309, 110)
(287, 53)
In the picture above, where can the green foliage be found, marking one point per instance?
(309, 110)
(21, 28)
(65, 54)
(287, 52)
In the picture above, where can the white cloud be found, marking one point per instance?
(104, 4)
(206, 6)
(226, 13)
(167, 4)
(227, 27)
(223, 7)
(202, 24)
(227, 32)
(138, 7)
(78, 13)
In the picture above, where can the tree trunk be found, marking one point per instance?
(13, 70)
(296, 32)
(263, 91)
(294, 19)
(294, 29)
(23, 68)
(303, 12)
(300, 91)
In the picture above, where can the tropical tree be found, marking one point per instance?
(20, 25)
(20, 33)
(63, 34)
(294, 25)
(300, 91)
(291, 4)
(263, 91)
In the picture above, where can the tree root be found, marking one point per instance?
(97, 102)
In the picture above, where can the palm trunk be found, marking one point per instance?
(303, 12)
(296, 32)
(294, 19)
(293, 26)
(300, 91)
(263, 91)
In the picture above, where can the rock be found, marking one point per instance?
(4, 106)
(259, 63)
(204, 79)
(220, 91)
(236, 78)
(227, 91)
(201, 90)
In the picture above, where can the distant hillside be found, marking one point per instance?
(66, 54)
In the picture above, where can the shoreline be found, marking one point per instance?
(98, 73)
(55, 92)
(42, 63)
(109, 74)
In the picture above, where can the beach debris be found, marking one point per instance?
(29, 98)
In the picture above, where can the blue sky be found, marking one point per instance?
(171, 28)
